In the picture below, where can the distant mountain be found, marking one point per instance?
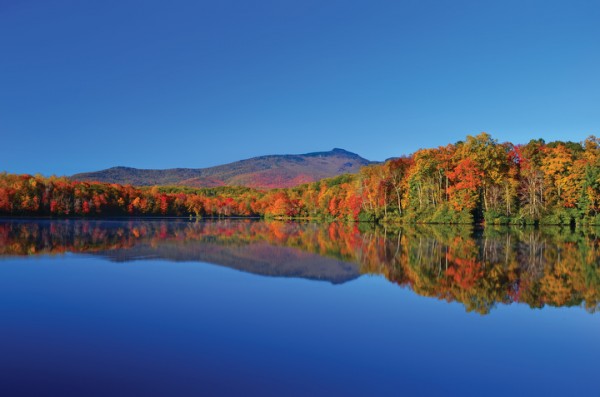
(275, 171)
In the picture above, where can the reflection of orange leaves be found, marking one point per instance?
(564, 280)
(464, 272)
(278, 232)
(557, 289)
(463, 268)
(163, 232)
(448, 267)
(333, 233)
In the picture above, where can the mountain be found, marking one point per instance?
(275, 171)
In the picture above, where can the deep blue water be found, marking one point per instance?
(87, 324)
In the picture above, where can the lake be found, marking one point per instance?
(244, 307)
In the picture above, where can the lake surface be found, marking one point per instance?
(240, 307)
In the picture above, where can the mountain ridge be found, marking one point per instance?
(265, 172)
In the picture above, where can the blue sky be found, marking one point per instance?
(94, 84)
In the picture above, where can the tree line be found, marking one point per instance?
(475, 180)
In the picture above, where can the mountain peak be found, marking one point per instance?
(332, 153)
(339, 150)
(264, 172)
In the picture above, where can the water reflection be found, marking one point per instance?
(478, 268)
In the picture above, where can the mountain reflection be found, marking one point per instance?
(478, 268)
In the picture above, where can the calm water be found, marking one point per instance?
(237, 308)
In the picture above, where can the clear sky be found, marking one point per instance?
(86, 85)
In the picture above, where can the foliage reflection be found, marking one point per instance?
(479, 268)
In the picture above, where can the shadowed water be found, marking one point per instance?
(114, 307)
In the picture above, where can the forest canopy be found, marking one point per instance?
(475, 180)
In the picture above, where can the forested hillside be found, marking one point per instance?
(476, 180)
(265, 172)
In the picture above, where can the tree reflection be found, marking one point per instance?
(479, 268)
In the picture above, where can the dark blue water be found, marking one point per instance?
(96, 322)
